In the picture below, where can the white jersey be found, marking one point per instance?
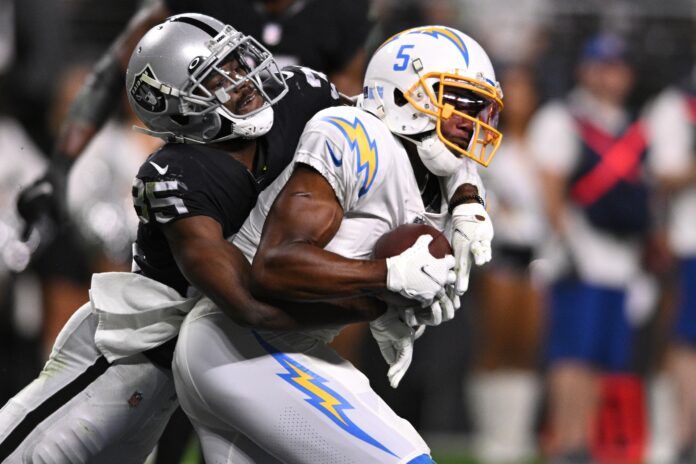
(371, 175)
(671, 154)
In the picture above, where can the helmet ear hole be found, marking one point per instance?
(399, 98)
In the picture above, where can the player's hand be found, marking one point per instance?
(40, 205)
(418, 275)
(395, 340)
(472, 232)
(441, 310)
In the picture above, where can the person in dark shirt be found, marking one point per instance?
(232, 119)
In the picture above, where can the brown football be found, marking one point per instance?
(398, 240)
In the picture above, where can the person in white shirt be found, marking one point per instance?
(672, 124)
(590, 152)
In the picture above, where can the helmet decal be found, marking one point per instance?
(437, 32)
(146, 96)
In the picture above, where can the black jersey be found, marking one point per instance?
(183, 180)
(321, 34)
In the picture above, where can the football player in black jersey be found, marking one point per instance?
(233, 120)
(326, 35)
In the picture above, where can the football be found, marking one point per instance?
(398, 240)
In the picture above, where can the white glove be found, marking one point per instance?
(472, 232)
(418, 275)
(395, 340)
(442, 310)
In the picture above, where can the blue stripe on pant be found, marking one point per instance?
(422, 459)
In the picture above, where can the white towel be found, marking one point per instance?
(135, 313)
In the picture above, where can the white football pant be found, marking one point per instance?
(81, 409)
(269, 398)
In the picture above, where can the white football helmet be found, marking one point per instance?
(421, 77)
(178, 85)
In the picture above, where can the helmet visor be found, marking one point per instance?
(466, 112)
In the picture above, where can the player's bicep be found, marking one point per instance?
(189, 236)
(196, 243)
(305, 211)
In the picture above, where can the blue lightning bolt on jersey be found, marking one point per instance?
(366, 148)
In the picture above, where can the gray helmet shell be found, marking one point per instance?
(165, 74)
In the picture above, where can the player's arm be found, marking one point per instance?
(472, 229)
(219, 270)
(291, 262)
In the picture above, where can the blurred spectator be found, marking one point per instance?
(20, 294)
(672, 122)
(518, 24)
(100, 183)
(32, 43)
(504, 390)
(590, 151)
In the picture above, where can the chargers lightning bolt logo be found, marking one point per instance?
(326, 400)
(360, 142)
(437, 32)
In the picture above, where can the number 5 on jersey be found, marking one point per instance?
(404, 58)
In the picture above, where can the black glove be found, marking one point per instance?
(42, 204)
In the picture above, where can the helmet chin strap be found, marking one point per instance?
(247, 128)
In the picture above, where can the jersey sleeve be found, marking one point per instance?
(670, 134)
(169, 188)
(327, 150)
(553, 139)
(310, 90)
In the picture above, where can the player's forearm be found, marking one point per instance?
(301, 271)
(465, 193)
(222, 274)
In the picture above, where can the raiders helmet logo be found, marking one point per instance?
(146, 96)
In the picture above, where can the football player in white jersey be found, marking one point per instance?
(407, 153)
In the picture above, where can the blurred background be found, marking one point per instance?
(577, 343)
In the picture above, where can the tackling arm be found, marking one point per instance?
(291, 262)
(219, 270)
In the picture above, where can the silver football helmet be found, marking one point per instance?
(194, 79)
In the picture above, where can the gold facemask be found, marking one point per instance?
(485, 138)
